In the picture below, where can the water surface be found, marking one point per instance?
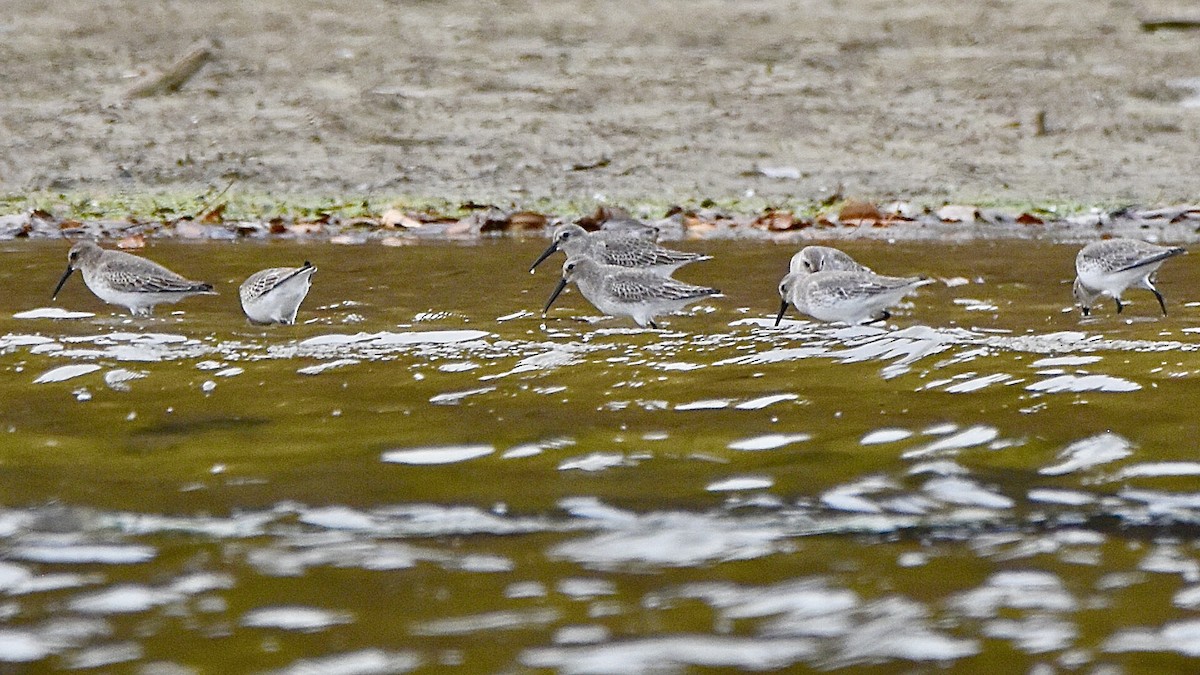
(426, 474)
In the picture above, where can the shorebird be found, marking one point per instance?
(274, 295)
(615, 248)
(824, 259)
(617, 291)
(120, 278)
(1109, 267)
(848, 297)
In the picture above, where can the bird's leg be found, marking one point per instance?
(1161, 303)
(1119, 305)
(652, 324)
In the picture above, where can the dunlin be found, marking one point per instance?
(618, 291)
(120, 278)
(615, 248)
(825, 259)
(274, 295)
(1109, 267)
(848, 297)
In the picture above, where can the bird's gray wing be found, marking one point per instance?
(637, 252)
(138, 275)
(645, 287)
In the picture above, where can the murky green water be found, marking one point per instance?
(426, 475)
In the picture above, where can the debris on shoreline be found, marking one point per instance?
(849, 219)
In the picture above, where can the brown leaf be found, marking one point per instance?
(854, 210)
(41, 214)
(215, 215)
(276, 225)
(70, 224)
(132, 241)
(776, 221)
(1029, 219)
(527, 220)
(601, 214)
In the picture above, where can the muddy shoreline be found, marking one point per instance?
(510, 102)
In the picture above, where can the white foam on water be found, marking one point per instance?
(294, 618)
(123, 599)
(710, 404)
(1034, 634)
(1082, 383)
(1182, 637)
(52, 313)
(957, 490)
(387, 338)
(363, 662)
(490, 621)
(63, 373)
(597, 461)
(671, 540)
(768, 442)
(671, 654)
(456, 397)
(773, 356)
(977, 383)
(448, 454)
(328, 365)
(1089, 452)
(105, 655)
(581, 635)
(970, 437)
(1152, 469)
(1063, 497)
(458, 367)
(764, 401)
(1016, 589)
(201, 582)
(18, 646)
(525, 589)
(897, 628)
(888, 435)
(740, 483)
(229, 372)
(118, 379)
(1060, 361)
(76, 554)
(582, 589)
(338, 518)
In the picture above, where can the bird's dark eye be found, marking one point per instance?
(565, 235)
(782, 289)
(808, 266)
(571, 267)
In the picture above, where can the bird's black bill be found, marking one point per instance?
(562, 283)
(66, 275)
(550, 250)
(783, 306)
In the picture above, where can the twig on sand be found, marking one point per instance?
(1151, 24)
(176, 74)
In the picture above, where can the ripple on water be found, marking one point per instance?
(447, 454)
(294, 618)
(363, 662)
(768, 441)
(1088, 452)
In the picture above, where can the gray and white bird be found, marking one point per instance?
(120, 278)
(1110, 266)
(274, 295)
(824, 259)
(615, 248)
(617, 291)
(848, 297)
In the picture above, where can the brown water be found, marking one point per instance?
(426, 475)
